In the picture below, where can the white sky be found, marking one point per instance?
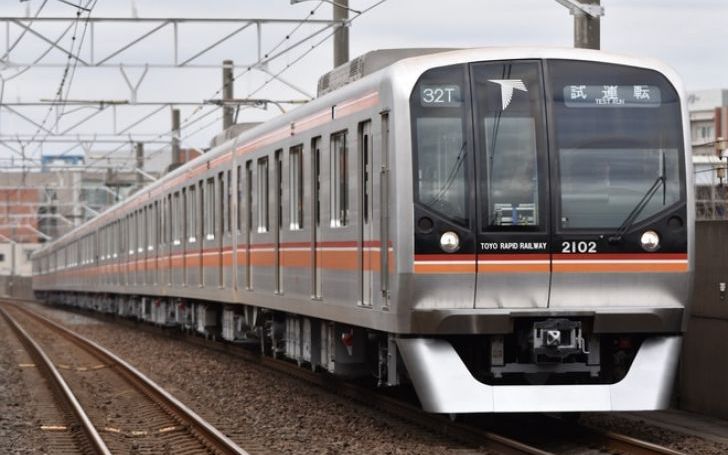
(688, 35)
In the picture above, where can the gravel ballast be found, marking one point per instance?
(263, 411)
(267, 412)
(19, 427)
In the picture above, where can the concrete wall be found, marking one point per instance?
(703, 383)
(19, 287)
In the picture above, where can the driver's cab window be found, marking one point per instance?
(441, 144)
(511, 146)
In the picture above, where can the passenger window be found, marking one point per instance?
(139, 231)
(263, 222)
(151, 229)
(192, 215)
(229, 203)
(210, 209)
(295, 185)
(339, 181)
(249, 198)
(221, 216)
(176, 214)
(132, 233)
(240, 197)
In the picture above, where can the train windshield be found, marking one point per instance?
(440, 137)
(616, 145)
(618, 135)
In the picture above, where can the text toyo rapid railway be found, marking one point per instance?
(510, 230)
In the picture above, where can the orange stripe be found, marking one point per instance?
(620, 267)
(513, 268)
(618, 256)
(340, 260)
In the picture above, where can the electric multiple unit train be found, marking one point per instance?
(508, 230)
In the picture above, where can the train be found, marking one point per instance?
(501, 229)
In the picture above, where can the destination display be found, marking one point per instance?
(445, 95)
(612, 96)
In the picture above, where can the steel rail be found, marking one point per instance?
(633, 446)
(371, 398)
(406, 411)
(464, 432)
(56, 379)
(208, 434)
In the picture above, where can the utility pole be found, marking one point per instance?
(139, 164)
(176, 158)
(227, 94)
(586, 28)
(341, 35)
(587, 15)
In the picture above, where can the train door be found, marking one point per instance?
(169, 237)
(199, 269)
(185, 234)
(132, 248)
(190, 237)
(316, 215)
(366, 222)
(384, 210)
(513, 259)
(278, 219)
(156, 243)
(226, 258)
(220, 222)
(141, 247)
(248, 223)
(145, 245)
(208, 240)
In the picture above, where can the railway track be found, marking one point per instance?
(546, 435)
(565, 436)
(118, 409)
(67, 428)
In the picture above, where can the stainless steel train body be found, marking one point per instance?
(507, 229)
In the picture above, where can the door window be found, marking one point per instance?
(509, 112)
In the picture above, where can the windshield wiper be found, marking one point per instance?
(617, 236)
(445, 188)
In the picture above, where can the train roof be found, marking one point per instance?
(367, 70)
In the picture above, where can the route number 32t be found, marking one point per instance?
(578, 247)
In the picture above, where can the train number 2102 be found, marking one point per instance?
(578, 247)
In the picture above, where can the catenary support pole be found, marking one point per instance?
(341, 36)
(586, 28)
(227, 94)
(176, 156)
(139, 164)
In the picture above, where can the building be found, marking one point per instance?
(38, 206)
(15, 258)
(708, 121)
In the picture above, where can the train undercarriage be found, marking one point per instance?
(545, 364)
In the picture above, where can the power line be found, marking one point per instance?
(186, 121)
(59, 91)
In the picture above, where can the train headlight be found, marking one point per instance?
(650, 241)
(450, 242)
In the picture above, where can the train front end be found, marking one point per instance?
(552, 233)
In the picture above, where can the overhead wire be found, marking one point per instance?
(194, 117)
(25, 30)
(186, 122)
(279, 73)
(71, 65)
